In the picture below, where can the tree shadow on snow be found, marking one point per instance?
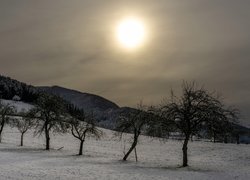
(146, 165)
(176, 168)
(22, 150)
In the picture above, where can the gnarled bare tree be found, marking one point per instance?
(23, 122)
(133, 122)
(50, 113)
(84, 126)
(195, 107)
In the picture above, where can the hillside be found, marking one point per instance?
(106, 112)
(81, 100)
(19, 105)
(10, 87)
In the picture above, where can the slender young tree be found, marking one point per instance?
(50, 113)
(84, 126)
(6, 111)
(133, 122)
(195, 107)
(23, 123)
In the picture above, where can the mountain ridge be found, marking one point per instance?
(83, 100)
(105, 111)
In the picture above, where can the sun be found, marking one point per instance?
(130, 33)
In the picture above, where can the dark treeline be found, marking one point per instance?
(10, 88)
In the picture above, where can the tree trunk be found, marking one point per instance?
(184, 150)
(136, 158)
(1, 129)
(47, 142)
(132, 147)
(21, 144)
(214, 136)
(81, 147)
(47, 137)
(225, 140)
(238, 139)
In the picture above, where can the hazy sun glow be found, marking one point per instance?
(130, 33)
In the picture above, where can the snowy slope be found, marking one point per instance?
(19, 105)
(101, 160)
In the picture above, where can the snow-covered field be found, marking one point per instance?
(101, 159)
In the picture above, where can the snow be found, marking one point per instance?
(101, 160)
(19, 105)
(158, 160)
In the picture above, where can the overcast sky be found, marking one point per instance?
(72, 43)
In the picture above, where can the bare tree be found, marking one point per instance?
(220, 127)
(6, 110)
(84, 126)
(23, 123)
(133, 122)
(154, 126)
(193, 108)
(50, 112)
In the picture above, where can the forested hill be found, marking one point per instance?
(82, 100)
(105, 111)
(10, 88)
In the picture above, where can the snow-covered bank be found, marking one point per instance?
(101, 159)
(19, 105)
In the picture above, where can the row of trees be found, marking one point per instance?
(50, 114)
(193, 112)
